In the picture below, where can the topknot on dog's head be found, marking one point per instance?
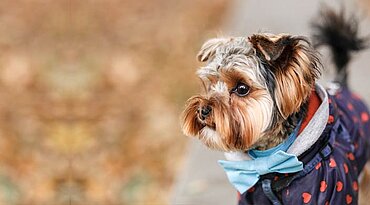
(209, 48)
(223, 46)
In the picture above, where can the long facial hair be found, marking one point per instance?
(279, 72)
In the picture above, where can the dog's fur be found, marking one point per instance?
(257, 88)
(279, 71)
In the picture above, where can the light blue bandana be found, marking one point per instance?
(244, 174)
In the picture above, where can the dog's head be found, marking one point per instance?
(252, 85)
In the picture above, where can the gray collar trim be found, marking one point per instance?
(315, 127)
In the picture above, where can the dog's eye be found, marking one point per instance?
(241, 89)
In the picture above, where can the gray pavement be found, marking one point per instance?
(202, 181)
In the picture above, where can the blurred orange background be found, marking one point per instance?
(91, 93)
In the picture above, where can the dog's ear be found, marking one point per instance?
(274, 49)
(209, 48)
(295, 65)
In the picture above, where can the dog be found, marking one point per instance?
(287, 139)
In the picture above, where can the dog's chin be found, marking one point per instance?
(211, 138)
(214, 140)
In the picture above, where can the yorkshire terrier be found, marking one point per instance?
(288, 140)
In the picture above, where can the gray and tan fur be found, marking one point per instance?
(278, 72)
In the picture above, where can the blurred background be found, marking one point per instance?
(91, 92)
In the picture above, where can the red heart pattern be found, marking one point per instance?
(339, 186)
(306, 197)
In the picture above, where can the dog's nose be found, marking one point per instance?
(205, 111)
